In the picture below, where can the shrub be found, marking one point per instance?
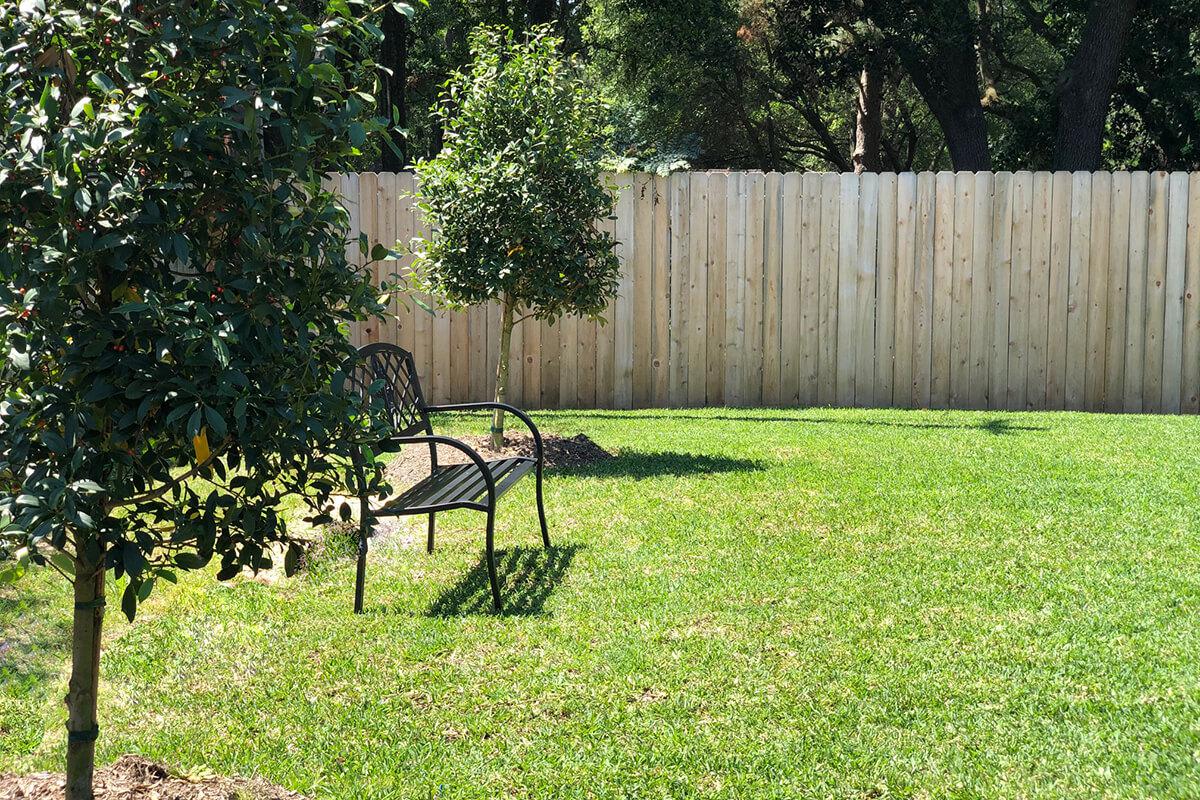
(514, 195)
(175, 291)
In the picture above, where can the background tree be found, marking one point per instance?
(514, 195)
(174, 288)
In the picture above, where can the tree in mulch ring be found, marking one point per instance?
(514, 196)
(175, 293)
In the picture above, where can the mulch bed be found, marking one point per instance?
(412, 464)
(135, 778)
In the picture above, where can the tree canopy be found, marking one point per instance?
(843, 84)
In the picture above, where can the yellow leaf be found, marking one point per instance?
(520, 248)
(200, 443)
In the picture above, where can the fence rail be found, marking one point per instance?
(1026, 290)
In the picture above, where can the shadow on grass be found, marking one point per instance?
(34, 641)
(527, 577)
(638, 464)
(997, 426)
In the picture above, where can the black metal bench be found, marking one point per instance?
(477, 484)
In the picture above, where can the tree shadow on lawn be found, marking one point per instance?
(34, 640)
(527, 577)
(638, 464)
(997, 426)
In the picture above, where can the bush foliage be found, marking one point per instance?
(175, 280)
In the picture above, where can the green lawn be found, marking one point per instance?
(743, 604)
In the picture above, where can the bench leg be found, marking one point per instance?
(364, 529)
(429, 543)
(542, 509)
(491, 558)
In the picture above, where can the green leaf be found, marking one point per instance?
(103, 82)
(63, 561)
(18, 359)
(129, 601)
(87, 486)
(83, 200)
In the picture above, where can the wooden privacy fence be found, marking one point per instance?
(1026, 290)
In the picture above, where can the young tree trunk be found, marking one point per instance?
(506, 327)
(394, 56)
(1086, 85)
(85, 678)
(868, 127)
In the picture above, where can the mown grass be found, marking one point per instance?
(744, 603)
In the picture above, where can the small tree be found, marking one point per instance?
(514, 196)
(174, 293)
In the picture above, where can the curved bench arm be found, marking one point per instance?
(484, 406)
(456, 444)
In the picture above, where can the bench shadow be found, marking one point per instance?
(639, 464)
(997, 426)
(527, 577)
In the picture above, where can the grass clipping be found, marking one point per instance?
(135, 778)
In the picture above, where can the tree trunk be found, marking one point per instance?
(506, 327)
(868, 123)
(938, 54)
(1086, 85)
(85, 678)
(393, 81)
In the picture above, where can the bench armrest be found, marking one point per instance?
(486, 406)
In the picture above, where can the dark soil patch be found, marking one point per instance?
(134, 778)
(412, 464)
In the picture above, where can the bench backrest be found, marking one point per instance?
(401, 391)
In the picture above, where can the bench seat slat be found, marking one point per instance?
(455, 484)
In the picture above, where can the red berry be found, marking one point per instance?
(21, 290)
(220, 290)
(212, 298)
(108, 40)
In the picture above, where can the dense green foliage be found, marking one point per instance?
(742, 604)
(174, 277)
(772, 84)
(515, 191)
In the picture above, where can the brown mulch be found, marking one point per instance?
(412, 464)
(135, 778)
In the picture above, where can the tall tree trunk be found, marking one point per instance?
(1085, 88)
(393, 58)
(868, 122)
(85, 678)
(938, 53)
(506, 327)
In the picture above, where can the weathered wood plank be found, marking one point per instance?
(923, 307)
(1018, 292)
(982, 308)
(1097, 289)
(680, 184)
(1118, 290)
(1078, 285)
(1176, 267)
(963, 250)
(1000, 269)
(752, 371)
(715, 261)
(906, 289)
(790, 333)
(865, 299)
(772, 294)
(1039, 291)
(1060, 288)
(623, 318)
(642, 287)
(810, 285)
(943, 289)
(885, 306)
(661, 289)
(1135, 315)
(847, 304)
(735, 289)
(827, 300)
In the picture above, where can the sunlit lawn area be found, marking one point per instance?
(743, 603)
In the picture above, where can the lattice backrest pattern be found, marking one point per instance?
(401, 391)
